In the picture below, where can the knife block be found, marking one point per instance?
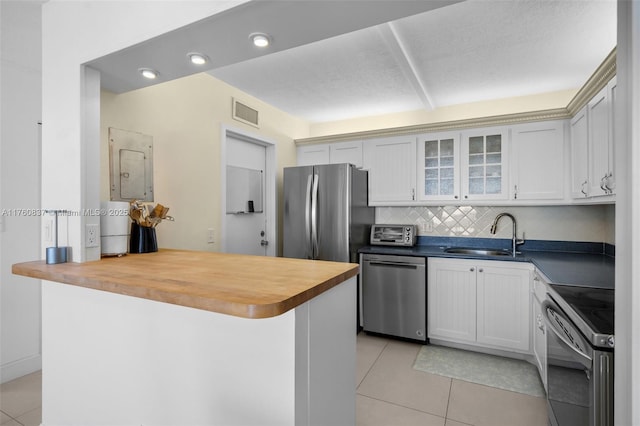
(143, 239)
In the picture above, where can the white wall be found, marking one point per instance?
(41, 80)
(74, 33)
(184, 117)
(520, 104)
(19, 185)
(627, 212)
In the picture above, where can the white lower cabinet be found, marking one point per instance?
(451, 299)
(539, 329)
(483, 303)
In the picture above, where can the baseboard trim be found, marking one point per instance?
(22, 367)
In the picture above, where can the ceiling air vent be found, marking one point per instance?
(245, 114)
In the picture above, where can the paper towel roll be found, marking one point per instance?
(114, 218)
(114, 227)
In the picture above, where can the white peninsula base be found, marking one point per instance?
(110, 359)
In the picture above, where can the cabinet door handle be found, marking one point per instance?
(609, 190)
(582, 188)
(515, 192)
(480, 270)
(471, 269)
(540, 323)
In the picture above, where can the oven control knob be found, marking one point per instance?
(611, 341)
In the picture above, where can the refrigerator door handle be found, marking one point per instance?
(307, 219)
(314, 218)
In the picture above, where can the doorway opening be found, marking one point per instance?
(248, 194)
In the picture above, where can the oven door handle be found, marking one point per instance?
(545, 309)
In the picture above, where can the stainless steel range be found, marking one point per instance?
(580, 344)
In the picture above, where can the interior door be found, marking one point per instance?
(246, 220)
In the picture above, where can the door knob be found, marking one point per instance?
(264, 243)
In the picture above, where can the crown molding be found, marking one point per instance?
(594, 84)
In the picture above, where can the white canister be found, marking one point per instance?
(114, 227)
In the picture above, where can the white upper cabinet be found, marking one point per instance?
(471, 166)
(541, 163)
(484, 165)
(599, 120)
(392, 170)
(579, 155)
(602, 140)
(331, 153)
(611, 179)
(310, 155)
(438, 167)
(592, 146)
(537, 161)
(346, 152)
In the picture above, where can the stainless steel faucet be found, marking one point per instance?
(515, 242)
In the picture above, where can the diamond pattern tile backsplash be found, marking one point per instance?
(558, 223)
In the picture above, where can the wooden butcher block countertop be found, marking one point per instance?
(239, 285)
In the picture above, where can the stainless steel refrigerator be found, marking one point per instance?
(326, 212)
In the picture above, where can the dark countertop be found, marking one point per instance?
(579, 269)
(570, 267)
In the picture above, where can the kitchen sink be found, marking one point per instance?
(477, 251)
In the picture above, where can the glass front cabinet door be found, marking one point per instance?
(484, 168)
(439, 167)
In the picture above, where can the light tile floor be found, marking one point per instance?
(21, 401)
(389, 393)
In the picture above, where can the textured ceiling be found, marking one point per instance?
(466, 52)
(224, 37)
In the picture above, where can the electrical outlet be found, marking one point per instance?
(91, 236)
(48, 231)
(210, 236)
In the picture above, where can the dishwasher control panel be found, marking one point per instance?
(393, 235)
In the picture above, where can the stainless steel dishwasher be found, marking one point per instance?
(394, 295)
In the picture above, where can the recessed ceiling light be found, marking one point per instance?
(198, 58)
(260, 39)
(148, 73)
